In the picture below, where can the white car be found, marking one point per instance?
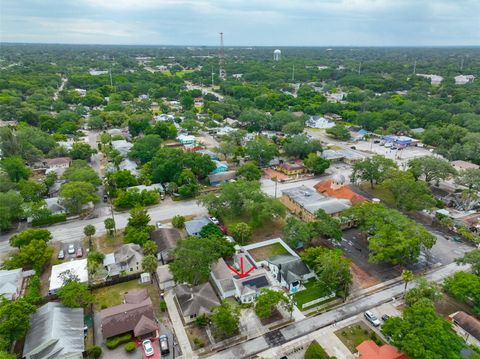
(214, 220)
(372, 318)
(71, 249)
(159, 224)
(147, 348)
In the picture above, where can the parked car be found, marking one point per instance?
(353, 147)
(214, 220)
(148, 348)
(164, 349)
(372, 318)
(385, 317)
(79, 252)
(376, 141)
(159, 224)
(105, 198)
(61, 254)
(71, 249)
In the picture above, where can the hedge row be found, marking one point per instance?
(114, 342)
(54, 218)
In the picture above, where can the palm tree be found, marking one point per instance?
(407, 276)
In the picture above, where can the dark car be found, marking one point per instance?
(79, 252)
(105, 198)
(385, 317)
(164, 349)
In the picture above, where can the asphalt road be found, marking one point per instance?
(73, 231)
(308, 325)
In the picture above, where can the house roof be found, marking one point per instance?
(312, 201)
(58, 161)
(194, 226)
(464, 165)
(370, 350)
(196, 300)
(222, 176)
(128, 253)
(166, 238)
(53, 204)
(164, 274)
(253, 283)
(345, 192)
(144, 326)
(9, 282)
(125, 317)
(55, 332)
(76, 267)
(289, 166)
(223, 275)
(468, 323)
(292, 268)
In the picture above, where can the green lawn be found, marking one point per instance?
(113, 295)
(355, 334)
(312, 292)
(262, 253)
(378, 192)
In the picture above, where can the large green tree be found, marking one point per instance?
(10, 208)
(316, 164)
(339, 132)
(465, 286)
(34, 255)
(24, 238)
(15, 168)
(373, 170)
(266, 302)
(394, 238)
(74, 294)
(472, 258)
(300, 146)
(194, 257)
(261, 150)
(249, 172)
(225, 319)
(74, 195)
(82, 151)
(422, 334)
(331, 267)
(14, 320)
(80, 171)
(408, 194)
(243, 198)
(431, 168)
(144, 148)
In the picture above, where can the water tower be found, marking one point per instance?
(276, 55)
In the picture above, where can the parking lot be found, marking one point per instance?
(69, 256)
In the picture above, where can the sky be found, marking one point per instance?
(243, 22)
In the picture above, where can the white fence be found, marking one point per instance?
(318, 300)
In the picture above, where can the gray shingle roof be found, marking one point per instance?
(55, 332)
(196, 300)
(292, 268)
(9, 282)
(312, 201)
(194, 226)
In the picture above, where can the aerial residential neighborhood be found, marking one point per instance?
(303, 185)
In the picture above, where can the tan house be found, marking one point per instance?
(305, 202)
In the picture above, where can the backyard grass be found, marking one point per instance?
(262, 253)
(378, 192)
(355, 334)
(113, 295)
(312, 292)
(269, 230)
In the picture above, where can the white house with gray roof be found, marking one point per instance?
(289, 271)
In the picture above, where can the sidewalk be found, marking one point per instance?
(177, 323)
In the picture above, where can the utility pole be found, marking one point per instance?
(221, 60)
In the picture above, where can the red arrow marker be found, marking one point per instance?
(242, 273)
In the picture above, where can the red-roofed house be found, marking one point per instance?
(337, 188)
(370, 350)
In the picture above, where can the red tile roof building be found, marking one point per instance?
(337, 188)
(370, 350)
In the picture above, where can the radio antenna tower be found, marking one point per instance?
(222, 74)
(415, 67)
